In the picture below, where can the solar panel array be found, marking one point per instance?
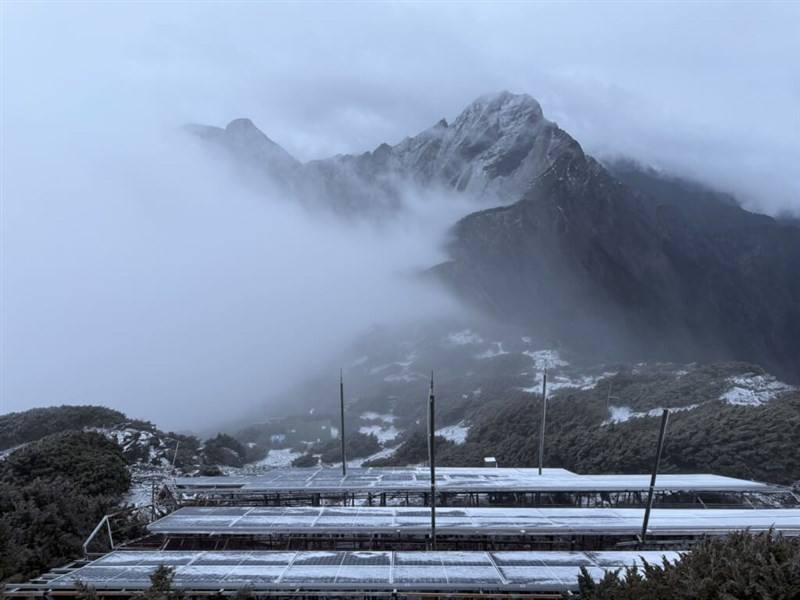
(454, 479)
(488, 521)
(551, 571)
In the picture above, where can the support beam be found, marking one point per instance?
(651, 491)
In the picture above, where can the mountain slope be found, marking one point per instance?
(589, 260)
(619, 262)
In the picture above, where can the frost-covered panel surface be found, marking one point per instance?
(506, 521)
(457, 479)
(552, 571)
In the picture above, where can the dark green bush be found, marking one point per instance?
(740, 566)
(30, 425)
(224, 450)
(52, 494)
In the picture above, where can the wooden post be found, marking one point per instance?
(651, 491)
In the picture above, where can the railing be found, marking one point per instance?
(105, 524)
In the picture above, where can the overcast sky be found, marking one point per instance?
(119, 251)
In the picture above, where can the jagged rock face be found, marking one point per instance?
(493, 151)
(622, 263)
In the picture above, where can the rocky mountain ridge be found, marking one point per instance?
(622, 263)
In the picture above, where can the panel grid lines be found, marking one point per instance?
(352, 570)
(471, 521)
(453, 479)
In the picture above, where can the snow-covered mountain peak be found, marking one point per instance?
(492, 151)
(504, 109)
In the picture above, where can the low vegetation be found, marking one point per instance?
(742, 565)
(31, 425)
(52, 494)
(739, 441)
(357, 445)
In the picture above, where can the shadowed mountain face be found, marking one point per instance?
(617, 261)
(609, 269)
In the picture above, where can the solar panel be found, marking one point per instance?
(553, 571)
(505, 521)
(453, 479)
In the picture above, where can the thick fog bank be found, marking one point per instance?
(140, 275)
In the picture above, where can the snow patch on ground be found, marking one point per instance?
(405, 377)
(384, 429)
(405, 374)
(385, 433)
(620, 414)
(455, 433)
(385, 453)
(373, 416)
(278, 457)
(754, 390)
(496, 349)
(146, 482)
(463, 338)
(559, 382)
(546, 359)
(7, 451)
(131, 439)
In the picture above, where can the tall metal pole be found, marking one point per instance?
(651, 491)
(341, 422)
(544, 419)
(432, 461)
(175, 457)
